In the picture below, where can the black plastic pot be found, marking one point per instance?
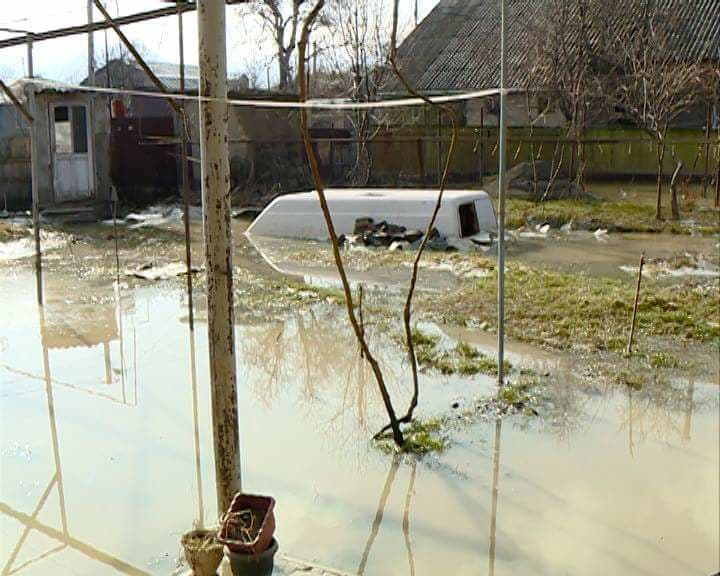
(252, 564)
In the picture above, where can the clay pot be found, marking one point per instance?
(252, 564)
(262, 507)
(202, 556)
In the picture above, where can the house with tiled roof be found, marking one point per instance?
(456, 48)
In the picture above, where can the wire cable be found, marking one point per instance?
(282, 104)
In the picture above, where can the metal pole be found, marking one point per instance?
(185, 176)
(501, 202)
(35, 173)
(91, 45)
(215, 167)
(482, 143)
(30, 66)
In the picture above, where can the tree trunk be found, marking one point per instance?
(673, 193)
(706, 179)
(284, 69)
(660, 160)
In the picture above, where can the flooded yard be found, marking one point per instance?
(106, 446)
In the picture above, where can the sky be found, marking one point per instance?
(65, 59)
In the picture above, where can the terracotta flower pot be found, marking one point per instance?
(202, 552)
(260, 523)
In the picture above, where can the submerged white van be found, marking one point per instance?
(464, 214)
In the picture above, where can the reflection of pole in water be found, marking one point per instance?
(118, 305)
(31, 522)
(406, 518)
(51, 413)
(689, 409)
(631, 444)
(196, 431)
(108, 367)
(380, 512)
(493, 517)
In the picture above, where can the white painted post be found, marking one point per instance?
(215, 168)
(30, 65)
(501, 201)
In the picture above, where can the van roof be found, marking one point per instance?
(411, 194)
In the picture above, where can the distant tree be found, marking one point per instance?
(282, 20)
(652, 85)
(710, 95)
(357, 53)
(568, 39)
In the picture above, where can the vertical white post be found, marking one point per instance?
(30, 65)
(215, 168)
(91, 46)
(501, 201)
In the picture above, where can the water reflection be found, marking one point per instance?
(379, 514)
(63, 332)
(494, 505)
(566, 473)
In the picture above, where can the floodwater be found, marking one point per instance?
(106, 445)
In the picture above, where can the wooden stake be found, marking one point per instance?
(635, 307)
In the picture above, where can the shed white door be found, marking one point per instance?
(72, 161)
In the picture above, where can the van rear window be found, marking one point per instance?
(468, 220)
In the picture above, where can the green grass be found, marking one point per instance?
(463, 359)
(564, 311)
(11, 231)
(615, 216)
(664, 360)
(421, 437)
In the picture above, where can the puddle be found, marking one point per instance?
(106, 448)
(617, 252)
(25, 247)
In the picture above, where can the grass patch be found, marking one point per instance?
(615, 216)
(564, 311)
(10, 231)
(463, 359)
(663, 360)
(421, 437)
(630, 379)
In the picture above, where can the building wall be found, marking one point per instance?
(100, 123)
(15, 176)
(15, 192)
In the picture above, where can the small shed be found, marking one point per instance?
(73, 129)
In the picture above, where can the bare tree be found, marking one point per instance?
(652, 85)
(710, 94)
(566, 65)
(282, 19)
(320, 188)
(358, 55)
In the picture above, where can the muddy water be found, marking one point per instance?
(608, 253)
(106, 450)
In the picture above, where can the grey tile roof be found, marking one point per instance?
(130, 75)
(457, 46)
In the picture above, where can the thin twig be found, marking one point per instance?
(315, 170)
